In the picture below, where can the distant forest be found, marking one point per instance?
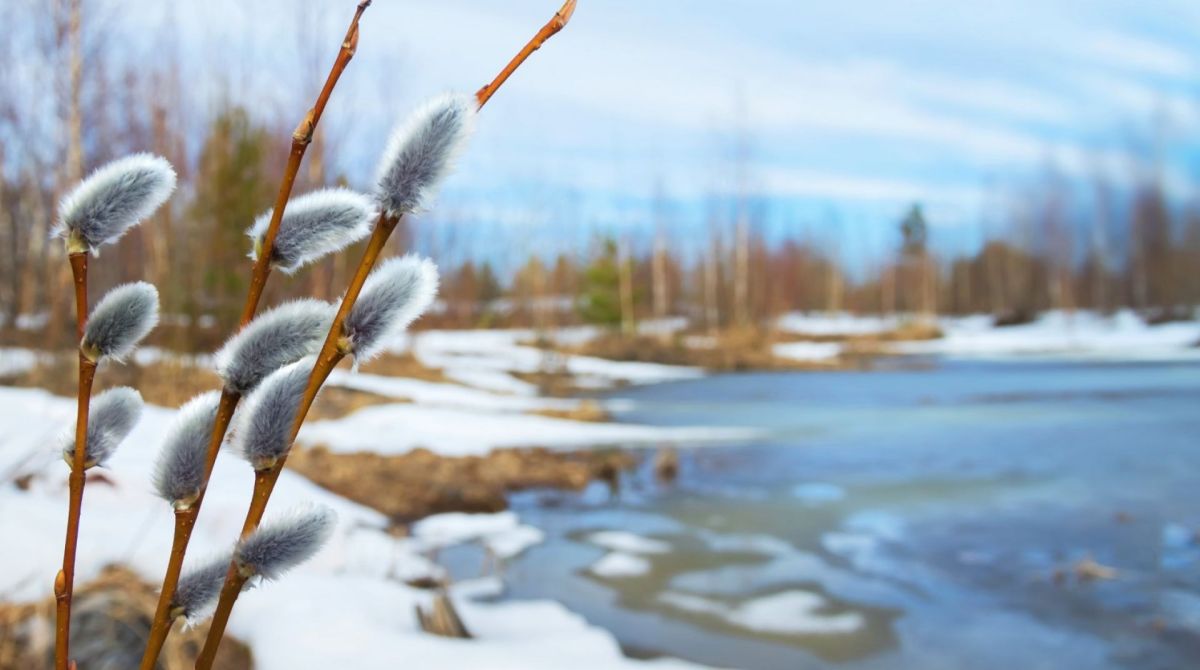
(1102, 245)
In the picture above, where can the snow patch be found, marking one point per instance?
(620, 564)
(808, 351)
(622, 541)
(787, 613)
(395, 429)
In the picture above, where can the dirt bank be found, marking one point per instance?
(419, 483)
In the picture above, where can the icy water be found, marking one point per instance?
(932, 518)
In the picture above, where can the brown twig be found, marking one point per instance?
(332, 352)
(557, 23)
(301, 138)
(264, 480)
(185, 519)
(64, 581)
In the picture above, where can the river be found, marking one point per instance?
(954, 515)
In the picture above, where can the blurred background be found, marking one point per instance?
(786, 334)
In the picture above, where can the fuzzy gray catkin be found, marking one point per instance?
(284, 543)
(395, 294)
(264, 428)
(314, 225)
(421, 152)
(122, 318)
(113, 415)
(198, 589)
(179, 472)
(113, 199)
(274, 339)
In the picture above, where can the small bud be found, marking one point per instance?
(179, 473)
(394, 295)
(123, 317)
(112, 200)
(285, 543)
(112, 416)
(314, 225)
(274, 339)
(421, 153)
(265, 421)
(197, 591)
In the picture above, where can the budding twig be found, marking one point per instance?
(185, 519)
(333, 351)
(98, 211)
(64, 582)
(557, 23)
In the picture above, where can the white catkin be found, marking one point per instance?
(283, 544)
(112, 416)
(314, 225)
(394, 295)
(422, 151)
(265, 420)
(272, 340)
(198, 589)
(114, 198)
(179, 472)
(122, 318)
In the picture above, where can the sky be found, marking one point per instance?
(843, 113)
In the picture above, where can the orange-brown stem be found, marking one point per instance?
(185, 523)
(234, 582)
(264, 479)
(301, 138)
(557, 23)
(331, 354)
(185, 520)
(64, 581)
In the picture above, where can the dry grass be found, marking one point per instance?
(733, 350)
(111, 623)
(403, 365)
(587, 410)
(336, 402)
(169, 383)
(172, 382)
(409, 486)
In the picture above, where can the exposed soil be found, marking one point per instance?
(110, 620)
(172, 382)
(410, 486)
(168, 383)
(737, 350)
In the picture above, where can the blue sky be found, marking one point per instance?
(850, 110)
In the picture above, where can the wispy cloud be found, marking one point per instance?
(845, 103)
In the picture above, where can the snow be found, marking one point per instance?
(395, 429)
(620, 564)
(487, 357)
(501, 533)
(1059, 335)
(15, 361)
(1063, 335)
(436, 394)
(808, 351)
(837, 324)
(792, 612)
(348, 606)
(623, 541)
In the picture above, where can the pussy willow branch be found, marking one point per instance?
(64, 581)
(332, 352)
(264, 479)
(557, 23)
(185, 518)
